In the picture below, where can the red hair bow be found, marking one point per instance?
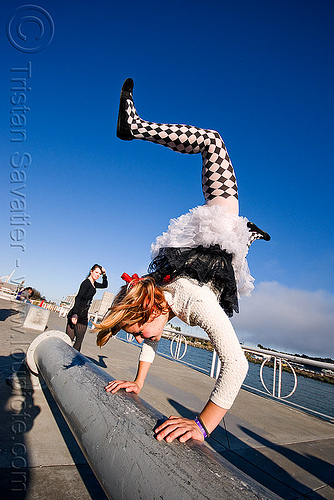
(130, 279)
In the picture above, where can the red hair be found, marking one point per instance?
(140, 304)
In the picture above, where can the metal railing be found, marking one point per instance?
(6, 292)
(278, 361)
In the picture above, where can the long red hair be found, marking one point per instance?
(142, 302)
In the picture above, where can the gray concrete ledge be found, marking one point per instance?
(287, 451)
(116, 434)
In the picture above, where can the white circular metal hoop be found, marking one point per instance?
(178, 339)
(295, 381)
(31, 349)
(273, 392)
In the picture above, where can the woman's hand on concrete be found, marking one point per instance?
(116, 385)
(178, 428)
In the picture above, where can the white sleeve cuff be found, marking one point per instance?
(148, 350)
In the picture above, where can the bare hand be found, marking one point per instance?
(115, 385)
(74, 320)
(178, 427)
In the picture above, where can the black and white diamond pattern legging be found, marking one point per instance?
(218, 177)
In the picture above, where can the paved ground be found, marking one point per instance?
(285, 450)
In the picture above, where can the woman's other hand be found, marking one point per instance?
(116, 385)
(178, 428)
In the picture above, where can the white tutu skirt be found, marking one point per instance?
(207, 226)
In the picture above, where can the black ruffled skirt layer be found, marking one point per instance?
(212, 266)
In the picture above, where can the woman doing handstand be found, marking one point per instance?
(199, 266)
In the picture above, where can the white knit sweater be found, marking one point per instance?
(198, 306)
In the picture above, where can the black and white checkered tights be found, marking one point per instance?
(218, 178)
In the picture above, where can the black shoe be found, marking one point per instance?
(256, 233)
(123, 128)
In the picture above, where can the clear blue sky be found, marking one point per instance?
(259, 72)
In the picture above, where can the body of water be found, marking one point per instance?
(310, 394)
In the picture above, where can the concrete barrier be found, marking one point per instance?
(116, 435)
(36, 318)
